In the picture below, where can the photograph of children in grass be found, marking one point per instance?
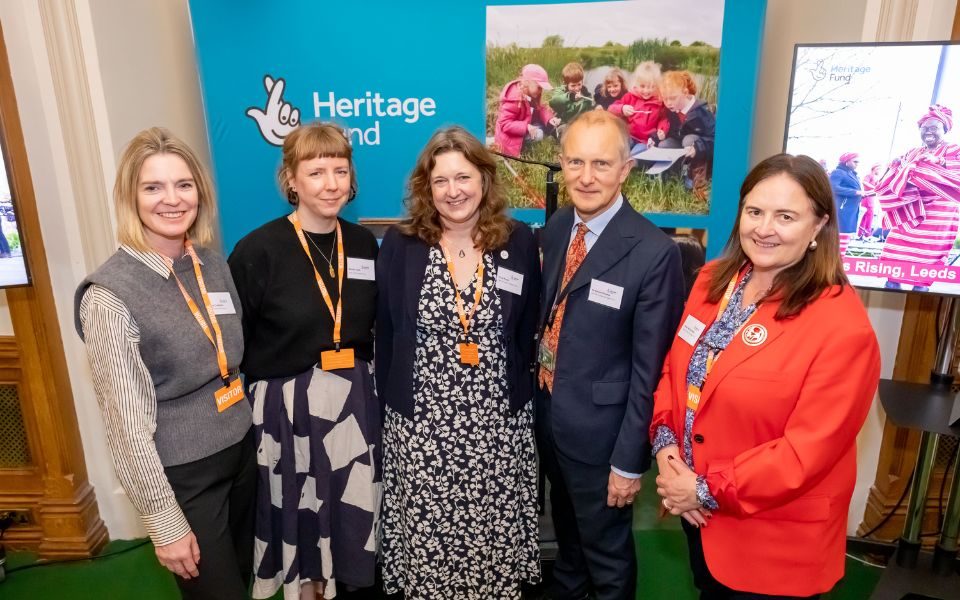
(651, 63)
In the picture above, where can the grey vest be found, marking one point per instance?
(181, 360)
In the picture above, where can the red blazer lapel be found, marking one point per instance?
(682, 351)
(759, 332)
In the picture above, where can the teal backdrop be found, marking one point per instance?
(425, 60)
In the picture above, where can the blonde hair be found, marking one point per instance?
(572, 72)
(646, 72)
(493, 227)
(147, 143)
(679, 80)
(316, 140)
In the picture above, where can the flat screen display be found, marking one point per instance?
(13, 267)
(881, 119)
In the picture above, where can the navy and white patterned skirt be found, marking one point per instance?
(319, 480)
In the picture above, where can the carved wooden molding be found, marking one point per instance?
(70, 82)
(54, 489)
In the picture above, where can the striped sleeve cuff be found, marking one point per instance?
(166, 526)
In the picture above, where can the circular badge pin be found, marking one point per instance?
(754, 335)
(504, 254)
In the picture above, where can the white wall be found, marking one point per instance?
(141, 71)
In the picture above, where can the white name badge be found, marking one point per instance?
(360, 268)
(691, 330)
(605, 293)
(222, 303)
(510, 281)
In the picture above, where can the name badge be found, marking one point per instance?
(469, 354)
(332, 360)
(605, 293)
(691, 329)
(360, 268)
(229, 395)
(222, 303)
(510, 281)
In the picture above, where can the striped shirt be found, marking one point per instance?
(128, 401)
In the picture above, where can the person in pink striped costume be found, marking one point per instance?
(920, 198)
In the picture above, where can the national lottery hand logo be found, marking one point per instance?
(278, 117)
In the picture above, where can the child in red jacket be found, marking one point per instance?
(642, 107)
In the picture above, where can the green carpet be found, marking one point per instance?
(136, 575)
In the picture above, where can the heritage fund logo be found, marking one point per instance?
(278, 117)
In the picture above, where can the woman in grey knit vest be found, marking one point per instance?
(161, 323)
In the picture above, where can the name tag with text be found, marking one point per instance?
(605, 293)
(510, 281)
(691, 329)
(222, 303)
(360, 268)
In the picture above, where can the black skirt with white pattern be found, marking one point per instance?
(459, 510)
(318, 495)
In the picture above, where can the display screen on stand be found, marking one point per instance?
(881, 119)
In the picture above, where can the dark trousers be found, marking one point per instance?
(710, 588)
(217, 495)
(595, 541)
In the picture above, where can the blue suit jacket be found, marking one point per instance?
(401, 266)
(609, 360)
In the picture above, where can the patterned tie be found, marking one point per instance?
(551, 335)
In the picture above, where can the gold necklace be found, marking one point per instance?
(329, 260)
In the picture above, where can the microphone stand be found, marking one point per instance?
(552, 187)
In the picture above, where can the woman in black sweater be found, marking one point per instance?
(308, 371)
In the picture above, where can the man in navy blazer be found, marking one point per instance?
(595, 389)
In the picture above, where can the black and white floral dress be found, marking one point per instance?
(459, 510)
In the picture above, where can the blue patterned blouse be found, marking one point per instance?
(716, 339)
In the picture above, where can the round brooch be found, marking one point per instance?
(754, 335)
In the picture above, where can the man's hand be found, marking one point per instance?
(690, 151)
(181, 557)
(621, 490)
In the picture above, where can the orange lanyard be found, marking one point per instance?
(207, 305)
(336, 314)
(465, 319)
(693, 391)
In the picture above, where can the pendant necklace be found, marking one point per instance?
(329, 260)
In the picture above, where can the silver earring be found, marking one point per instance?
(813, 244)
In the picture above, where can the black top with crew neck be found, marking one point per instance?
(286, 324)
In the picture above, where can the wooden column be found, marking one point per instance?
(54, 489)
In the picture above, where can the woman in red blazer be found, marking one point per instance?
(763, 393)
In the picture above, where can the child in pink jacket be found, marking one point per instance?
(523, 112)
(642, 107)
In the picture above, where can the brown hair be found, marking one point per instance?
(819, 269)
(316, 140)
(679, 80)
(613, 74)
(145, 144)
(493, 227)
(572, 72)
